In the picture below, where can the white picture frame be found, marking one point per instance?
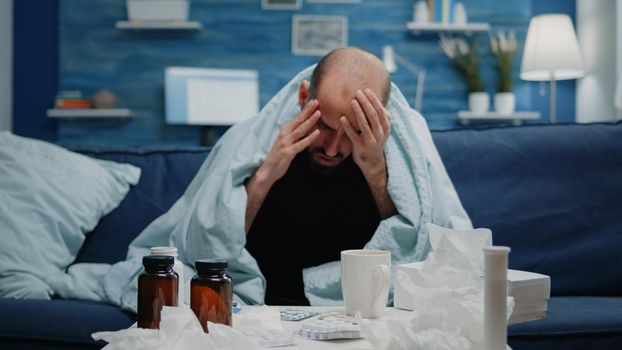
(318, 35)
(281, 4)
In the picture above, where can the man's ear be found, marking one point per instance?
(303, 93)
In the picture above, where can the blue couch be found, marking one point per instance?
(552, 193)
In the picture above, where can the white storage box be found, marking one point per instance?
(158, 10)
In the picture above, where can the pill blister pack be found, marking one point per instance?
(331, 326)
(271, 338)
(294, 314)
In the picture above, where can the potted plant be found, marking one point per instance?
(503, 47)
(465, 59)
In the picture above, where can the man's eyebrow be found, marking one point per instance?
(326, 125)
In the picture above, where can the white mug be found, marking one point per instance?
(365, 281)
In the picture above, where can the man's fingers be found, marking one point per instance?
(303, 128)
(362, 120)
(373, 99)
(345, 124)
(371, 111)
(305, 113)
(384, 114)
(305, 142)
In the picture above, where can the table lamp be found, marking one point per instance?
(389, 58)
(551, 53)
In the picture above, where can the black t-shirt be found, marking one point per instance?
(307, 219)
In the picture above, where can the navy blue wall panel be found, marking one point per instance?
(93, 54)
(35, 67)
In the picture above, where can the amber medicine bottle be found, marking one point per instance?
(157, 287)
(178, 267)
(211, 292)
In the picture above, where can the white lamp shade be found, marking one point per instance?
(551, 50)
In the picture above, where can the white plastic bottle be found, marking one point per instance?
(177, 267)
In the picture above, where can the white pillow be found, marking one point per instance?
(49, 199)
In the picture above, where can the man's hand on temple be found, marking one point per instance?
(374, 125)
(293, 138)
(368, 146)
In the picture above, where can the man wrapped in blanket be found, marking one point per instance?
(336, 160)
(323, 185)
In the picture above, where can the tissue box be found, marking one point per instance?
(531, 292)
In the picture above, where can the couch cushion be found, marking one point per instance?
(49, 199)
(58, 322)
(552, 193)
(166, 172)
(573, 323)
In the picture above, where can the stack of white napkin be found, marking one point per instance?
(531, 292)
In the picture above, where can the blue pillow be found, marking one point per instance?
(49, 199)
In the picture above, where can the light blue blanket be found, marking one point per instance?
(208, 220)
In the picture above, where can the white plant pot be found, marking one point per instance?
(158, 10)
(479, 102)
(505, 102)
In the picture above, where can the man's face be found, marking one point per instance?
(332, 145)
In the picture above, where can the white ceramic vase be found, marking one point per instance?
(479, 102)
(505, 102)
(420, 12)
(460, 14)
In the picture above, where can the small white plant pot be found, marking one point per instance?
(479, 102)
(505, 102)
(158, 10)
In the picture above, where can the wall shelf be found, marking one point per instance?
(90, 113)
(159, 25)
(516, 118)
(418, 28)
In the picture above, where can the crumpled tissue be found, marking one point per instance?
(448, 294)
(258, 318)
(263, 325)
(179, 329)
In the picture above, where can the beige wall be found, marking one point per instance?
(6, 64)
(596, 30)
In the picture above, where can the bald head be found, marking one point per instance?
(351, 69)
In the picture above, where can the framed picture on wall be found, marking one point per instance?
(318, 35)
(281, 4)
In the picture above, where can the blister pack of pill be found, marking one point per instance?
(331, 326)
(294, 314)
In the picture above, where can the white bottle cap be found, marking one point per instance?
(172, 251)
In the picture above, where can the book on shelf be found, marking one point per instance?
(73, 103)
(441, 11)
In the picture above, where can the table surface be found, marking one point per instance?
(345, 344)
